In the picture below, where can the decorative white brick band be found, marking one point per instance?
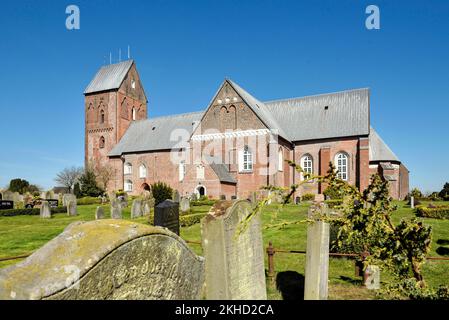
(231, 134)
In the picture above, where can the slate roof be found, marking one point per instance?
(298, 119)
(109, 77)
(307, 118)
(155, 133)
(220, 169)
(378, 149)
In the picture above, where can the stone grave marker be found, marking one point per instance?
(8, 195)
(45, 211)
(136, 209)
(99, 213)
(319, 198)
(116, 210)
(317, 255)
(66, 198)
(234, 263)
(166, 214)
(184, 205)
(372, 281)
(71, 208)
(129, 261)
(176, 196)
(412, 202)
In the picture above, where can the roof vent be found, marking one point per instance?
(326, 107)
(154, 128)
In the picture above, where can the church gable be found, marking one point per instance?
(228, 111)
(132, 87)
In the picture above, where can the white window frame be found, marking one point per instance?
(134, 114)
(342, 165)
(128, 186)
(143, 171)
(182, 170)
(200, 172)
(306, 165)
(280, 160)
(246, 163)
(128, 168)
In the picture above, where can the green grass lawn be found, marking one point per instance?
(24, 234)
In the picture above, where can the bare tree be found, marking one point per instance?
(104, 174)
(69, 176)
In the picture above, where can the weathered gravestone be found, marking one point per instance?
(317, 255)
(45, 211)
(116, 210)
(8, 195)
(71, 208)
(234, 262)
(176, 196)
(107, 260)
(68, 197)
(166, 214)
(412, 202)
(136, 209)
(184, 205)
(372, 281)
(99, 213)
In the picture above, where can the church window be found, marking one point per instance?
(128, 187)
(102, 116)
(200, 172)
(341, 160)
(182, 170)
(142, 171)
(306, 165)
(128, 169)
(134, 113)
(246, 160)
(280, 160)
(133, 84)
(102, 142)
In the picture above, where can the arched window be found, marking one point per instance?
(102, 116)
(182, 170)
(128, 187)
(102, 142)
(128, 169)
(134, 114)
(342, 164)
(280, 160)
(246, 160)
(306, 165)
(142, 171)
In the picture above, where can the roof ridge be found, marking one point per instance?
(316, 95)
(174, 115)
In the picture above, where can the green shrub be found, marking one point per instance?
(191, 219)
(333, 193)
(29, 212)
(333, 203)
(308, 197)
(88, 200)
(161, 192)
(209, 202)
(441, 212)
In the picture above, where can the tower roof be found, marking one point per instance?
(109, 77)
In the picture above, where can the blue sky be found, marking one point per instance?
(184, 49)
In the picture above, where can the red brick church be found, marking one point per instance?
(237, 144)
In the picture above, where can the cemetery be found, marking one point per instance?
(274, 257)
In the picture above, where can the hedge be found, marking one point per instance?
(29, 212)
(441, 212)
(197, 203)
(184, 221)
(333, 203)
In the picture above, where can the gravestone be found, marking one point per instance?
(166, 214)
(136, 209)
(112, 195)
(254, 198)
(319, 198)
(107, 260)
(234, 262)
(99, 213)
(116, 210)
(222, 197)
(372, 281)
(184, 205)
(71, 208)
(317, 255)
(147, 205)
(412, 202)
(8, 195)
(66, 198)
(45, 211)
(176, 196)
